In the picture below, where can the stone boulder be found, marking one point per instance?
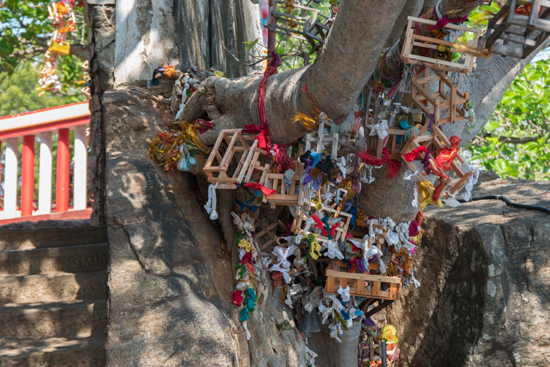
(485, 274)
(170, 283)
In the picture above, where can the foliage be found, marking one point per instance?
(25, 33)
(295, 52)
(515, 142)
(18, 92)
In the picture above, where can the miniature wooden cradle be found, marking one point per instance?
(303, 221)
(517, 32)
(217, 166)
(286, 23)
(267, 238)
(434, 103)
(439, 141)
(284, 194)
(374, 143)
(338, 276)
(416, 48)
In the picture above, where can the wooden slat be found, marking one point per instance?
(378, 308)
(450, 26)
(360, 286)
(374, 278)
(376, 289)
(393, 291)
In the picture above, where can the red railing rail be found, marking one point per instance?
(19, 134)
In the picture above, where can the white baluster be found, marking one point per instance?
(80, 167)
(10, 179)
(45, 175)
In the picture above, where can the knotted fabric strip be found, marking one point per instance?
(210, 206)
(442, 20)
(264, 140)
(394, 166)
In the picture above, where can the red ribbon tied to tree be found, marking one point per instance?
(264, 141)
(447, 155)
(393, 164)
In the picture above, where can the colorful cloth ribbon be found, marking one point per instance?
(394, 166)
(442, 20)
(409, 157)
(257, 187)
(447, 155)
(264, 140)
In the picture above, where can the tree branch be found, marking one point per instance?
(34, 50)
(511, 139)
(350, 53)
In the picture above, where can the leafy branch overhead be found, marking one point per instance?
(25, 33)
(515, 142)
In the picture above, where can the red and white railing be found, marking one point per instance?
(20, 133)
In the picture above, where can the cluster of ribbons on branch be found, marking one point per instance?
(63, 19)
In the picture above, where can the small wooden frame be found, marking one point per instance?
(436, 102)
(216, 166)
(452, 186)
(276, 182)
(338, 276)
(515, 30)
(318, 32)
(374, 143)
(269, 232)
(283, 19)
(413, 42)
(439, 141)
(341, 232)
(318, 143)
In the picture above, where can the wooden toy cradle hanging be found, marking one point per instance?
(301, 219)
(518, 32)
(416, 48)
(375, 145)
(378, 286)
(317, 143)
(434, 103)
(439, 141)
(318, 32)
(267, 238)
(286, 23)
(284, 194)
(249, 167)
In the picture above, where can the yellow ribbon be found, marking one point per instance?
(315, 249)
(425, 195)
(246, 245)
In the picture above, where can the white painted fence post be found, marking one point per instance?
(45, 175)
(80, 168)
(10, 179)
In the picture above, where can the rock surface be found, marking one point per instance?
(170, 287)
(485, 274)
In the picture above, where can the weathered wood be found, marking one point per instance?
(217, 165)
(380, 307)
(441, 101)
(408, 51)
(514, 29)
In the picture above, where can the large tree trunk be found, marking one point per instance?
(170, 287)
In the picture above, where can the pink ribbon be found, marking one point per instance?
(444, 21)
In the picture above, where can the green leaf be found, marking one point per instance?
(250, 45)
(491, 126)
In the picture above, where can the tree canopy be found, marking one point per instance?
(25, 33)
(515, 142)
